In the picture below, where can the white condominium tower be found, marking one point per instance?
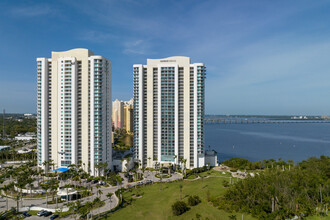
(169, 112)
(74, 110)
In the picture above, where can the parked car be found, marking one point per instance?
(26, 214)
(95, 181)
(48, 214)
(101, 183)
(41, 213)
(54, 216)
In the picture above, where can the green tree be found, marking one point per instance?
(179, 207)
(193, 200)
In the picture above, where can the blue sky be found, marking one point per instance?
(262, 57)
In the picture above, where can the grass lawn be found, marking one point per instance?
(156, 203)
(318, 218)
(33, 212)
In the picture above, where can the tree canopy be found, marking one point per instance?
(274, 193)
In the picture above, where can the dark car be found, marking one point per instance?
(53, 217)
(26, 214)
(48, 214)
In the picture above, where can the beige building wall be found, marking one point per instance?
(81, 85)
(81, 55)
(118, 114)
(128, 118)
(188, 86)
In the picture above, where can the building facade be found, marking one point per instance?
(74, 110)
(122, 115)
(169, 112)
(118, 114)
(128, 116)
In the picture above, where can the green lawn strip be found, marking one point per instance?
(33, 212)
(318, 218)
(156, 203)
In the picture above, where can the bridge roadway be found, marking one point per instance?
(256, 121)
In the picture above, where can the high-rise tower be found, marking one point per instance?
(169, 112)
(74, 110)
(118, 114)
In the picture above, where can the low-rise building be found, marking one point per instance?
(211, 158)
(2, 148)
(25, 137)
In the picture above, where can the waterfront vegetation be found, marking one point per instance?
(245, 164)
(279, 193)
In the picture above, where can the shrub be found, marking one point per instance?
(193, 200)
(179, 208)
(225, 183)
(232, 217)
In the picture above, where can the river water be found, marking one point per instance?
(288, 141)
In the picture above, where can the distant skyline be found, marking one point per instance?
(262, 57)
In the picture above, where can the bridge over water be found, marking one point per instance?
(256, 121)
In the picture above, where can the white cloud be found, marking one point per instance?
(140, 47)
(32, 11)
(96, 36)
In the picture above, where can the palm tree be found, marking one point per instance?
(109, 195)
(175, 156)
(84, 165)
(100, 192)
(29, 183)
(17, 203)
(135, 173)
(20, 183)
(97, 167)
(291, 163)
(51, 163)
(46, 186)
(105, 166)
(184, 162)
(127, 164)
(11, 187)
(92, 188)
(53, 185)
(46, 164)
(67, 186)
(143, 170)
(85, 193)
(149, 158)
(161, 176)
(5, 188)
(98, 189)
